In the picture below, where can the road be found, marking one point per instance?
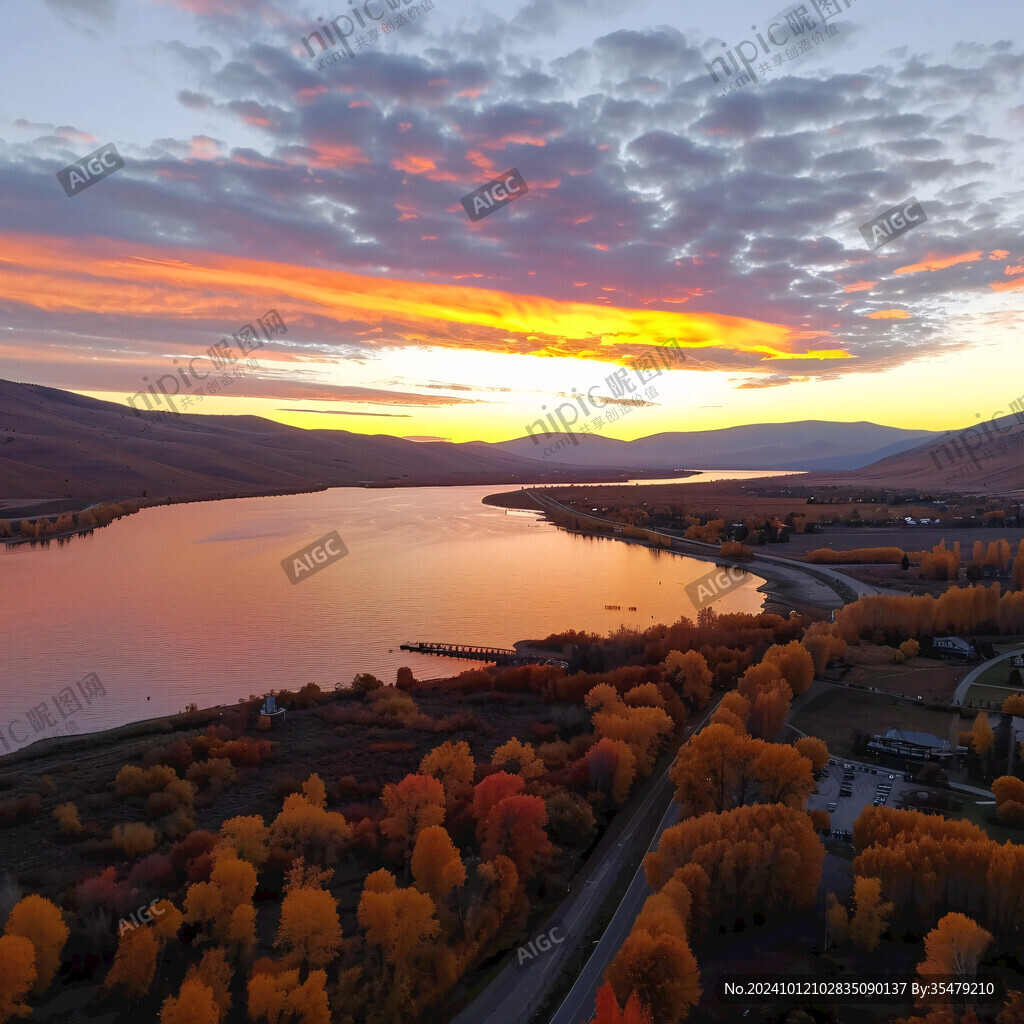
(578, 1005)
(836, 580)
(965, 684)
(521, 987)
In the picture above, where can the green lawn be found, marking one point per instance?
(834, 714)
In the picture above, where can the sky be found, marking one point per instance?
(663, 206)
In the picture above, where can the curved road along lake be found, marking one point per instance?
(189, 603)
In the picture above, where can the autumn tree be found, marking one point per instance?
(611, 765)
(515, 829)
(436, 865)
(518, 759)
(249, 837)
(689, 676)
(304, 829)
(489, 792)
(194, 1004)
(571, 822)
(608, 1011)
(66, 816)
(814, 750)
(315, 792)
(1014, 704)
(871, 915)
(954, 947)
(795, 664)
(645, 729)
(838, 918)
(453, 766)
(400, 927)
(277, 996)
(761, 858)
(769, 712)
(41, 922)
(224, 904)
(1009, 793)
(17, 976)
(134, 962)
(411, 806)
(215, 973)
(661, 970)
(134, 838)
(733, 710)
(309, 926)
(718, 769)
(982, 736)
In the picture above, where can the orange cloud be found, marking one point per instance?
(860, 286)
(106, 276)
(889, 314)
(940, 262)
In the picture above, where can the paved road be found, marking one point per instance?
(965, 684)
(837, 580)
(578, 1005)
(519, 988)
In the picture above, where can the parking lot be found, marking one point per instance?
(863, 786)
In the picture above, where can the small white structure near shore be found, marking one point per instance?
(272, 713)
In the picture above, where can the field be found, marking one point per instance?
(927, 678)
(836, 712)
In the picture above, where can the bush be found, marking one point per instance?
(15, 810)
(66, 816)
(214, 774)
(134, 839)
(856, 556)
(734, 549)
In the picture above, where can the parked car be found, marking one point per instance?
(832, 806)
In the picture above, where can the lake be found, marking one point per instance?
(189, 603)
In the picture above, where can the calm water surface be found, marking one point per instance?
(189, 603)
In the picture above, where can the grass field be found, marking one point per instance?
(992, 683)
(834, 715)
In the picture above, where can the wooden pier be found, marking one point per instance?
(496, 655)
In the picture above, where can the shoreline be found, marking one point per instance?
(785, 590)
(20, 509)
(787, 587)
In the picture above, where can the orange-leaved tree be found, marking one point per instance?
(1009, 793)
(276, 996)
(954, 947)
(134, 962)
(436, 865)
(795, 664)
(41, 922)
(814, 750)
(453, 765)
(310, 926)
(194, 1004)
(489, 792)
(689, 675)
(411, 805)
(608, 1011)
(17, 976)
(661, 970)
(518, 758)
(515, 829)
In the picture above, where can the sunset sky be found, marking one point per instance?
(657, 208)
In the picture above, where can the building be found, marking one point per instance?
(916, 746)
(954, 646)
(271, 713)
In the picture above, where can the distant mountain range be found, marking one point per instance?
(59, 446)
(805, 444)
